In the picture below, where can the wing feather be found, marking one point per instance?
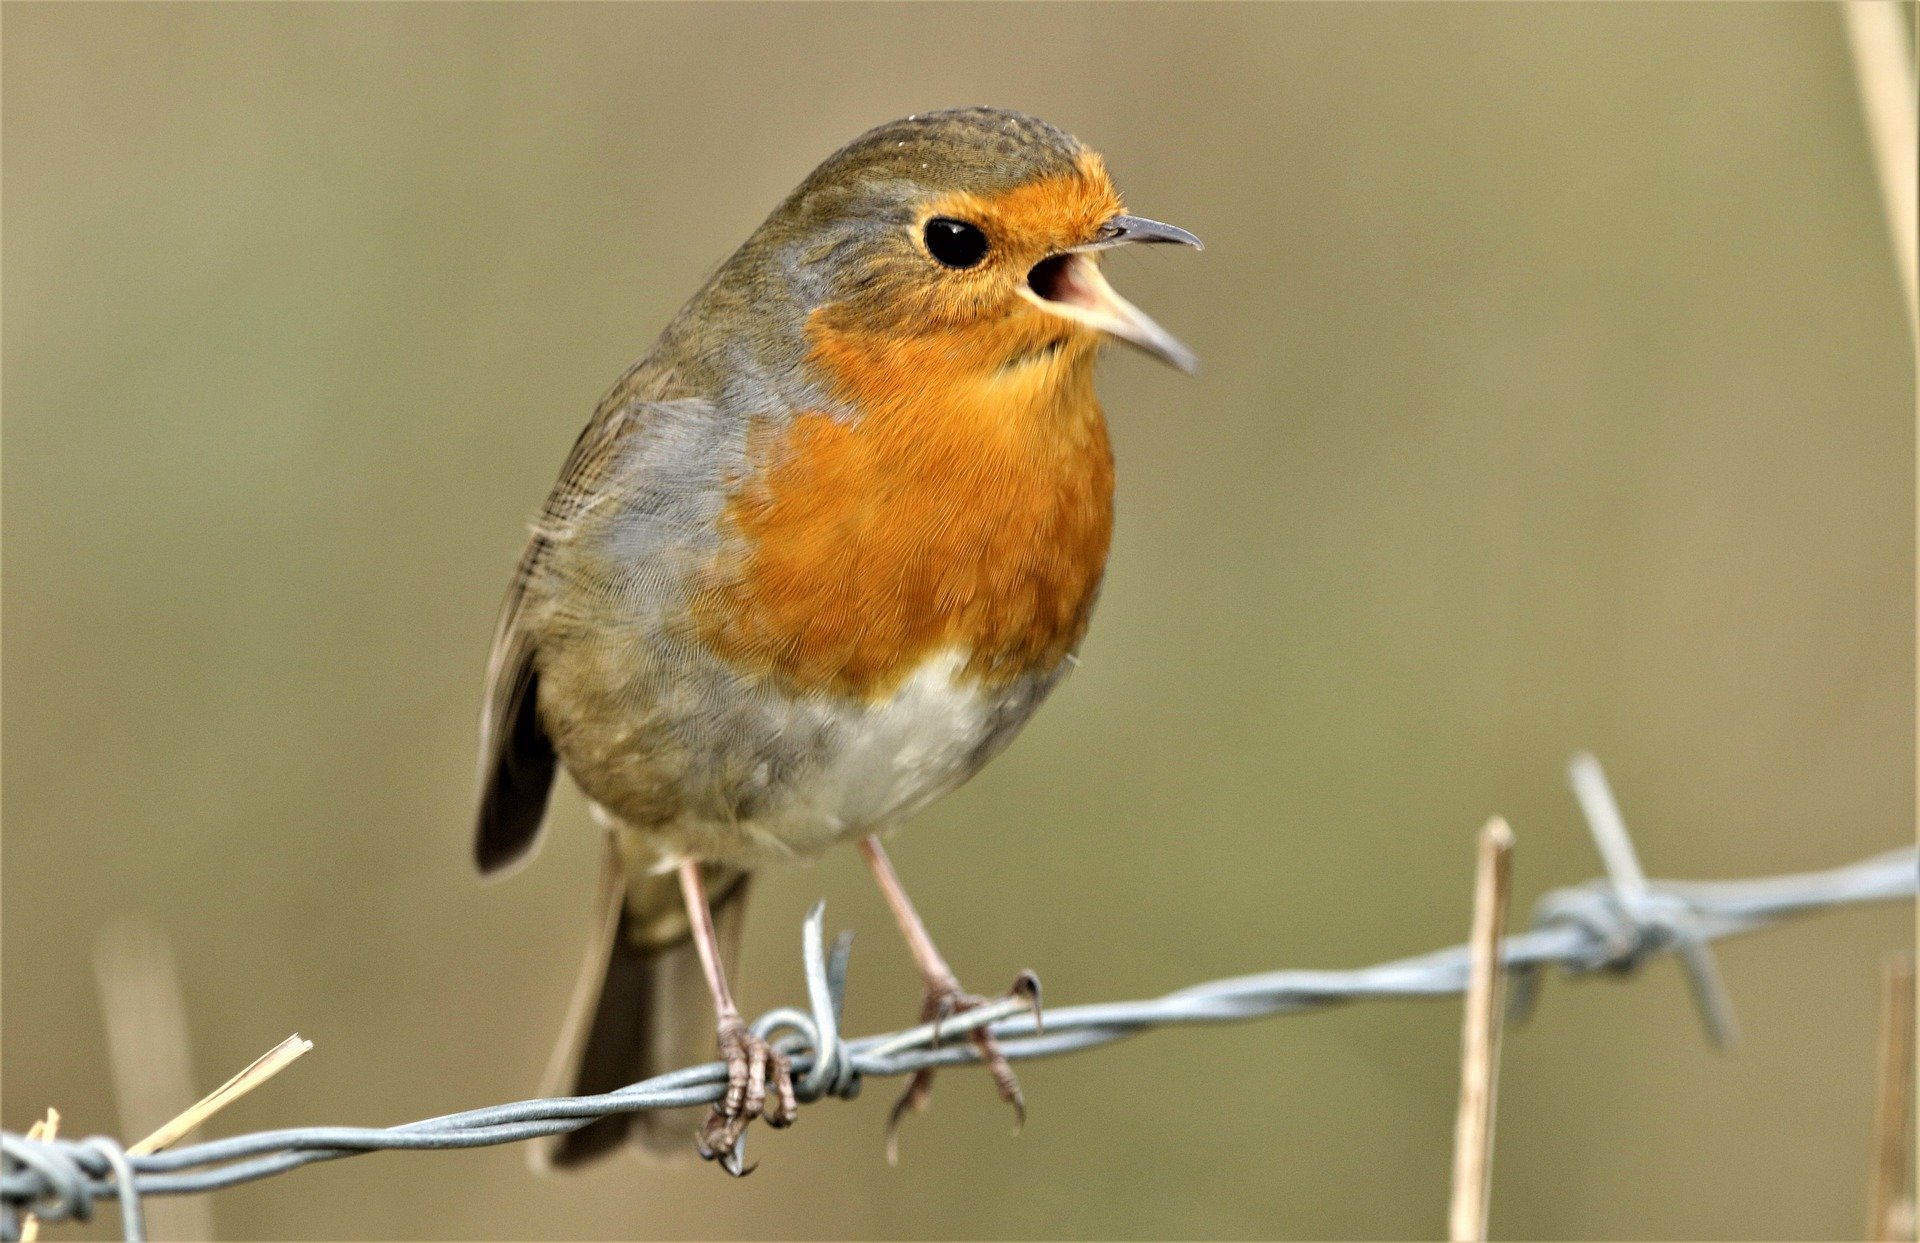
(517, 757)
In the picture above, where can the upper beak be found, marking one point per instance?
(1122, 230)
(1071, 285)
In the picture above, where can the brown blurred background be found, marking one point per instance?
(1556, 395)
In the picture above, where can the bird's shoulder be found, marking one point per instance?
(639, 473)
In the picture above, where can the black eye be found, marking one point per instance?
(955, 242)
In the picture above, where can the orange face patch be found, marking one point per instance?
(905, 292)
(1048, 214)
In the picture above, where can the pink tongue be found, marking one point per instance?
(1072, 288)
(1057, 279)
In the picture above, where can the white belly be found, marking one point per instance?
(901, 755)
(885, 762)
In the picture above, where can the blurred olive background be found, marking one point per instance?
(1556, 395)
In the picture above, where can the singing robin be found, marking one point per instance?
(815, 560)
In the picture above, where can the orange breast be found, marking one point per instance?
(964, 508)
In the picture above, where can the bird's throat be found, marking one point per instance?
(959, 507)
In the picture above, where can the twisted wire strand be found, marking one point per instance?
(1598, 925)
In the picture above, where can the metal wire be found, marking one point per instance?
(1614, 924)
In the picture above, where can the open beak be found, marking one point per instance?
(1071, 286)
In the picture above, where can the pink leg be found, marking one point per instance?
(944, 998)
(750, 1062)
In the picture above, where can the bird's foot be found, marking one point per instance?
(759, 1085)
(945, 1001)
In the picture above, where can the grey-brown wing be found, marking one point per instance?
(517, 758)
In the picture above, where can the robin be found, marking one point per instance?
(815, 560)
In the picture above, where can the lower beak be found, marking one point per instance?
(1071, 286)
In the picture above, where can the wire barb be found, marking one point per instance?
(1626, 916)
(1630, 887)
(1578, 929)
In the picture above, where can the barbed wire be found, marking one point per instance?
(1614, 924)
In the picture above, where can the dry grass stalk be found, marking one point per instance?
(46, 1128)
(148, 1051)
(265, 1067)
(1890, 1213)
(146, 1021)
(1480, 1039)
(1883, 61)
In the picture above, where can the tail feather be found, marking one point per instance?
(641, 1008)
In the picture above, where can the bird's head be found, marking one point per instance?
(968, 239)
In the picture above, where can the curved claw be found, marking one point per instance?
(945, 1005)
(755, 1070)
(940, 1004)
(1027, 984)
(1003, 1077)
(784, 1107)
(919, 1090)
(716, 1140)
